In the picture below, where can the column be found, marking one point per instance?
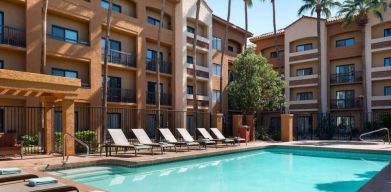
(236, 124)
(286, 127)
(49, 140)
(217, 121)
(68, 113)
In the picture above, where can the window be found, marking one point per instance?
(64, 34)
(216, 95)
(387, 32)
(216, 43)
(115, 7)
(113, 120)
(303, 72)
(189, 89)
(230, 48)
(387, 61)
(216, 69)
(345, 42)
(64, 73)
(304, 96)
(152, 58)
(190, 59)
(1, 26)
(344, 124)
(304, 47)
(1, 64)
(345, 99)
(154, 21)
(274, 54)
(345, 73)
(190, 29)
(387, 90)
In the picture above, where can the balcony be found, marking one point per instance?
(122, 58)
(165, 67)
(73, 41)
(346, 77)
(12, 36)
(120, 95)
(165, 98)
(346, 103)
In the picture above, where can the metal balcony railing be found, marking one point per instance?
(120, 95)
(165, 67)
(61, 38)
(346, 103)
(12, 36)
(122, 58)
(165, 98)
(351, 77)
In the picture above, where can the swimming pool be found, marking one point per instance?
(266, 170)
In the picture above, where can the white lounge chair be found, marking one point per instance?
(206, 135)
(143, 138)
(220, 136)
(188, 138)
(120, 140)
(169, 137)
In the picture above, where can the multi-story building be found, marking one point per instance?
(75, 42)
(342, 90)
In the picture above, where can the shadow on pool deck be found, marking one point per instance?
(330, 143)
(344, 186)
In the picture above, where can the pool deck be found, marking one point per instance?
(37, 163)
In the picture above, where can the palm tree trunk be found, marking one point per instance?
(364, 69)
(158, 64)
(275, 35)
(222, 56)
(195, 101)
(319, 61)
(246, 22)
(106, 70)
(44, 31)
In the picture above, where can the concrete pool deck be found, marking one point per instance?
(36, 164)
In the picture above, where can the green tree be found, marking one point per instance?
(257, 86)
(320, 7)
(357, 11)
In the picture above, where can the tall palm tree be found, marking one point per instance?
(222, 55)
(44, 31)
(195, 101)
(321, 8)
(158, 64)
(105, 69)
(247, 3)
(357, 11)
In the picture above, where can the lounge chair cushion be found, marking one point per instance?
(41, 181)
(11, 170)
(168, 136)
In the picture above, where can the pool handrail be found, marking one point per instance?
(375, 131)
(65, 160)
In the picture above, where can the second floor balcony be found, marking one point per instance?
(120, 95)
(121, 58)
(351, 77)
(350, 103)
(165, 98)
(12, 36)
(165, 67)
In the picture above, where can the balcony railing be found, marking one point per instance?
(165, 67)
(122, 58)
(165, 98)
(346, 103)
(120, 95)
(12, 36)
(346, 77)
(78, 41)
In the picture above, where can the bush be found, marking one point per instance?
(29, 140)
(262, 134)
(88, 137)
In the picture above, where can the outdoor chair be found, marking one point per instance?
(188, 138)
(120, 140)
(25, 187)
(205, 134)
(220, 136)
(169, 138)
(9, 145)
(16, 177)
(143, 138)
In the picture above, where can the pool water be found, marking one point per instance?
(266, 170)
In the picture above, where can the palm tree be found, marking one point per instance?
(44, 31)
(105, 69)
(222, 55)
(158, 64)
(195, 101)
(247, 3)
(358, 11)
(320, 7)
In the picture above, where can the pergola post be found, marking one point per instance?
(49, 139)
(68, 122)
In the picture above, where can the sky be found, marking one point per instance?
(260, 15)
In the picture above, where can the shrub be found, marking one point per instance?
(29, 140)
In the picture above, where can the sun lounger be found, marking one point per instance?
(120, 140)
(206, 135)
(16, 177)
(143, 138)
(169, 137)
(25, 187)
(220, 136)
(188, 138)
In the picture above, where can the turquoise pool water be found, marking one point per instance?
(266, 170)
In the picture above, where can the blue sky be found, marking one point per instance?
(260, 15)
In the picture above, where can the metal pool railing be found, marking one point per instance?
(375, 131)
